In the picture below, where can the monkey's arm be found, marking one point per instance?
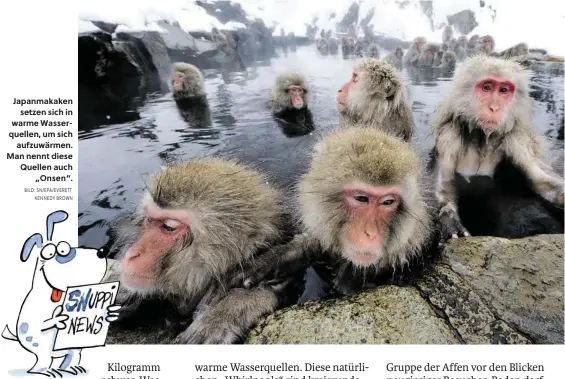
(523, 148)
(447, 147)
(229, 319)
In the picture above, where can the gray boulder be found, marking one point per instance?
(463, 22)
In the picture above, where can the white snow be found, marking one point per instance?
(233, 25)
(87, 27)
(540, 23)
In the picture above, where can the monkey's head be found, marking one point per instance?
(290, 92)
(187, 81)
(448, 58)
(419, 42)
(462, 41)
(522, 49)
(487, 44)
(399, 52)
(361, 197)
(196, 221)
(373, 83)
(431, 50)
(488, 93)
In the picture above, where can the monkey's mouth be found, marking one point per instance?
(488, 124)
(340, 106)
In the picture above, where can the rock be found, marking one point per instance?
(428, 10)
(350, 19)
(109, 81)
(495, 290)
(106, 26)
(155, 50)
(225, 11)
(368, 18)
(463, 22)
(388, 314)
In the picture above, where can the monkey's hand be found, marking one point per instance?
(451, 227)
(228, 320)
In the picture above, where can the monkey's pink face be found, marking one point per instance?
(431, 52)
(370, 210)
(178, 81)
(494, 95)
(419, 46)
(296, 96)
(162, 230)
(343, 92)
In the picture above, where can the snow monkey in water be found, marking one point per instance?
(289, 100)
(187, 82)
(487, 157)
(199, 224)
(364, 215)
(413, 54)
(375, 97)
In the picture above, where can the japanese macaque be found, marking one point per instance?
(290, 93)
(491, 179)
(485, 45)
(323, 46)
(292, 41)
(519, 50)
(365, 215)
(187, 82)
(373, 51)
(375, 97)
(334, 46)
(358, 49)
(197, 226)
(413, 54)
(472, 44)
(461, 48)
(347, 45)
(195, 111)
(447, 34)
(448, 61)
(430, 57)
(395, 58)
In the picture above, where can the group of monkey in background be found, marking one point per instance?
(213, 240)
(421, 53)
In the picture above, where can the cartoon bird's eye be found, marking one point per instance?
(63, 248)
(48, 251)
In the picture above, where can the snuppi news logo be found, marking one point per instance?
(66, 309)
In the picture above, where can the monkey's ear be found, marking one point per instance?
(34, 240)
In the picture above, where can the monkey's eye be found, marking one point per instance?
(503, 89)
(487, 86)
(387, 200)
(63, 248)
(48, 251)
(361, 198)
(170, 225)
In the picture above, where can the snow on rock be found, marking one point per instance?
(87, 27)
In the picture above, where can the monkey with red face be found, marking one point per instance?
(365, 217)
(375, 97)
(289, 101)
(199, 225)
(187, 82)
(490, 178)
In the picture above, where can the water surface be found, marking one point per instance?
(115, 160)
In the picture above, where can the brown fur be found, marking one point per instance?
(412, 55)
(280, 99)
(193, 86)
(234, 214)
(515, 137)
(380, 101)
(424, 60)
(368, 156)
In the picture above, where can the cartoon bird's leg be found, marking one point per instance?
(41, 366)
(71, 363)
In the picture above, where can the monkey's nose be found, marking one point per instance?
(102, 252)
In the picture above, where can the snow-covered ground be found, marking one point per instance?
(538, 23)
